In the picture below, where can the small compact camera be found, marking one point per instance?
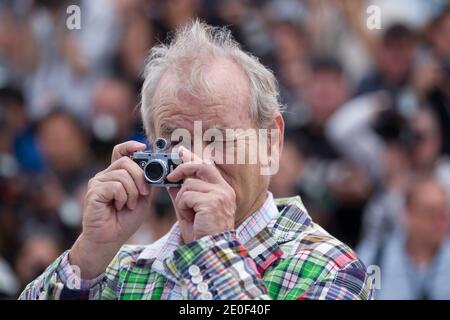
(157, 165)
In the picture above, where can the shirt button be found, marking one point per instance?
(206, 296)
(202, 287)
(197, 279)
(194, 270)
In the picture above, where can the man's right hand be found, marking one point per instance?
(117, 200)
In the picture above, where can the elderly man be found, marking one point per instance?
(232, 239)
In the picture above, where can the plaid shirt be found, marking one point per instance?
(277, 253)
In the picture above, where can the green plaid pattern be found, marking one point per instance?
(290, 258)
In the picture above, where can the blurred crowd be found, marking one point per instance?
(367, 122)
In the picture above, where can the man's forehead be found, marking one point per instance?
(223, 104)
(218, 81)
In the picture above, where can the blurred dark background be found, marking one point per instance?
(367, 114)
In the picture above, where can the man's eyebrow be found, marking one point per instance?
(225, 132)
(222, 130)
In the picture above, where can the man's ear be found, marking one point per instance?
(274, 145)
(279, 124)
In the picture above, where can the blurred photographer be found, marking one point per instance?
(433, 78)
(414, 261)
(393, 148)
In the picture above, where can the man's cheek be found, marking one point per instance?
(231, 174)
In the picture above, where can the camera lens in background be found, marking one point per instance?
(155, 171)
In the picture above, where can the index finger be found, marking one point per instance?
(126, 149)
(188, 156)
(204, 171)
(193, 165)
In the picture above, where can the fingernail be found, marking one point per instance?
(146, 192)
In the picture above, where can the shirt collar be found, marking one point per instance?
(163, 248)
(258, 220)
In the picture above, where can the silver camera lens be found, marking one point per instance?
(161, 144)
(156, 171)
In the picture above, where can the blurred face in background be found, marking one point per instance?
(396, 59)
(232, 11)
(427, 148)
(289, 42)
(178, 12)
(113, 110)
(62, 143)
(294, 75)
(427, 216)
(326, 91)
(35, 255)
(137, 38)
(440, 36)
(13, 115)
(396, 166)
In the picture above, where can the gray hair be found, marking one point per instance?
(186, 54)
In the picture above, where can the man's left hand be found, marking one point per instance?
(205, 204)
